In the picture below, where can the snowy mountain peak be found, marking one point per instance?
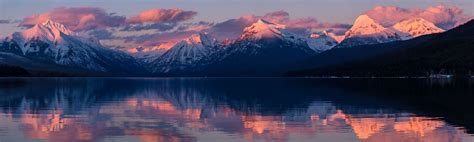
(52, 43)
(184, 54)
(262, 21)
(47, 31)
(200, 38)
(367, 31)
(416, 27)
(364, 20)
(263, 29)
(364, 25)
(55, 26)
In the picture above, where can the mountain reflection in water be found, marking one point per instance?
(231, 109)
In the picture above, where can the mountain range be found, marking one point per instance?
(448, 53)
(263, 49)
(367, 31)
(50, 46)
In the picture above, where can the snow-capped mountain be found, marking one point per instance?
(263, 48)
(148, 55)
(51, 42)
(185, 54)
(322, 41)
(263, 29)
(363, 26)
(266, 31)
(367, 31)
(264, 34)
(415, 27)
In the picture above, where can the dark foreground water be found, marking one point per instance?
(236, 109)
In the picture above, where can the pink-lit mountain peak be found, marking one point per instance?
(48, 30)
(263, 29)
(366, 21)
(415, 27)
(200, 38)
(185, 53)
(364, 25)
(57, 27)
(368, 31)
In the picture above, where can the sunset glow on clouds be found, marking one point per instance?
(162, 15)
(232, 28)
(151, 27)
(443, 16)
(78, 19)
(88, 18)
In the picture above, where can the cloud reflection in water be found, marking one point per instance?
(99, 109)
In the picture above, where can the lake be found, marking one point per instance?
(236, 109)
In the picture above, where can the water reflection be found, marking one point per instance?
(226, 109)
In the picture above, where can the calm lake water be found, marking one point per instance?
(236, 109)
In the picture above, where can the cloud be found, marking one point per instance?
(149, 26)
(283, 17)
(231, 28)
(101, 34)
(196, 27)
(89, 18)
(162, 16)
(150, 40)
(77, 18)
(277, 16)
(5, 21)
(159, 19)
(443, 16)
(97, 23)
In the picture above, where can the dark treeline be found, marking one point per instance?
(450, 52)
(14, 71)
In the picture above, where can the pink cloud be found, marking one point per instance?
(195, 27)
(78, 18)
(184, 30)
(232, 28)
(87, 18)
(283, 17)
(277, 16)
(162, 15)
(443, 16)
(149, 40)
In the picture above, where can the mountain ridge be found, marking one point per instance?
(366, 31)
(185, 54)
(263, 49)
(416, 27)
(440, 53)
(52, 43)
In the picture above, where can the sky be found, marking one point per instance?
(219, 10)
(206, 14)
